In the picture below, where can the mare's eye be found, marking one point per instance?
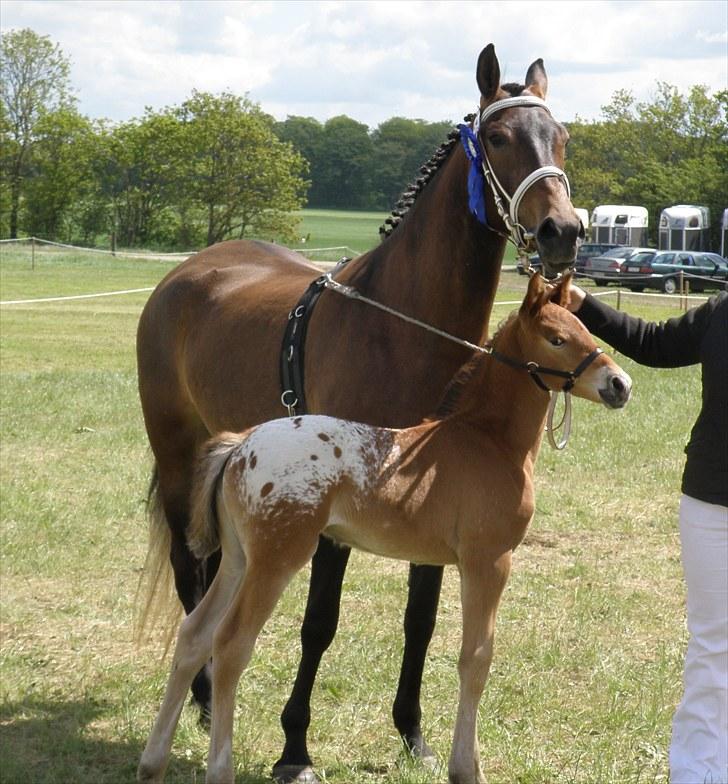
(496, 139)
(556, 341)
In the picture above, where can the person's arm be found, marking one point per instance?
(671, 343)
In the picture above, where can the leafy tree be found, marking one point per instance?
(306, 136)
(59, 173)
(141, 176)
(35, 83)
(400, 147)
(244, 178)
(344, 172)
(670, 150)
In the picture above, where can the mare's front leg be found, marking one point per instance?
(419, 624)
(482, 581)
(317, 632)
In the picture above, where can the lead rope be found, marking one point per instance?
(565, 422)
(352, 293)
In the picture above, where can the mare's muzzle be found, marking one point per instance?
(558, 241)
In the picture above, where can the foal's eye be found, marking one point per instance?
(556, 341)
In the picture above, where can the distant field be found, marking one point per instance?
(358, 231)
(590, 635)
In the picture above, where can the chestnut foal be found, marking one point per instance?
(457, 489)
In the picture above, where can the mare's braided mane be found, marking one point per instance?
(429, 169)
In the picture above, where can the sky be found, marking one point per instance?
(374, 60)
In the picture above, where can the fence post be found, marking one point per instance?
(619, 297)
(32, 253)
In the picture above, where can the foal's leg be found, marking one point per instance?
(192, 577)
(481, 586)
(419, 623)
(317, 632)
(194, 646)
(264, 582)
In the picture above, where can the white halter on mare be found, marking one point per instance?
(519, 236)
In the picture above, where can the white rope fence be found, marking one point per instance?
(341, 250)
(74, 296)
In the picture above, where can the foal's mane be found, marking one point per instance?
(451, 397)
(430, 168)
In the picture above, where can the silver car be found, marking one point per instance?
(606, 268)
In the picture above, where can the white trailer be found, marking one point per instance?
(724, 234)
(584, 218)
(684, 227)
(620, 224)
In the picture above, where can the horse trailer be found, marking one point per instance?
(724, 234)
(619, 224)
(584, 218)
(684, 227)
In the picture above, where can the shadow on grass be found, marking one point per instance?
(47, 742)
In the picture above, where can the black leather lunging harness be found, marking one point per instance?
(293, 396)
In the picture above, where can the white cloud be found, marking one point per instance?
(373, 60)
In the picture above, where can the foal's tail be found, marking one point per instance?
(203, 534)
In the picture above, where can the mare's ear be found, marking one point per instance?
(536, 293)
(561, 293)
(488, 73)
(536, 80)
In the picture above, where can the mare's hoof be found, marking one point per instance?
(419, 750)
(295, 774)
(205, 720)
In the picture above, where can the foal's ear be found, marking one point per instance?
(488, 73)
(536, 80)
(536, 295)
(561, 293)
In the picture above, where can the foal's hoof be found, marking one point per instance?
(295, 774)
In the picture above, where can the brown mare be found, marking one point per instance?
(457, 489)
(210, 336)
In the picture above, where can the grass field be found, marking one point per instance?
(590, 636)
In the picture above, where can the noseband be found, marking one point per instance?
(536, 371)
(481, 166)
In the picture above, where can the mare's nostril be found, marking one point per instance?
(547, 230)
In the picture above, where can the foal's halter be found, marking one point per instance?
(535, 371)
(517, 233)
(533, 368)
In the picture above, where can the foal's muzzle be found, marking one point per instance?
(617, 390)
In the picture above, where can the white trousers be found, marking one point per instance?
(699, 748)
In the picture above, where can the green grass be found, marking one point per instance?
(590, 635)
(357, 231)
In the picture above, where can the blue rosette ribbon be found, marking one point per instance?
(476, 179)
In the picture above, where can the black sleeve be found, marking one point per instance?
(671, 343)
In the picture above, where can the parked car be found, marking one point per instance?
(586, 251)
(663, 271)
(606, 268)
(589, 250)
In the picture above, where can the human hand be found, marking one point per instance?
(576, 298)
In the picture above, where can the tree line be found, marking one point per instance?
(217, 166)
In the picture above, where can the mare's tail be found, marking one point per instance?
(156, 603)
(203, 534)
